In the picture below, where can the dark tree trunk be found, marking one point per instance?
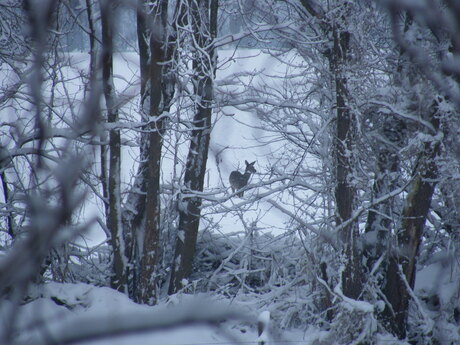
(379, 218)
(134, 210)
(409, 236)
(150, 251)
(118, 280)
(92, 38)
(143, 34)
(9, 204)
(93, 77)
(345, 193)
(204, 23)
(142, 216)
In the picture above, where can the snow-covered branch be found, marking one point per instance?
(84, 328)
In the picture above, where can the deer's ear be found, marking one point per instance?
(253, 163)
(246, 162)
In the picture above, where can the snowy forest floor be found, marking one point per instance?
(82, 309)
(72, 307)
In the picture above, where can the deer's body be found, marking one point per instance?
(238, 180)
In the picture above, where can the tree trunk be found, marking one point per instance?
(143, 34)
(142, 216)
(379, 219)
(150, 251)
(92, 38)
(8, 202)
(404, 257)
(134, 210)
(345, 193)
(204, 23)
(118, 280)
(93, 77)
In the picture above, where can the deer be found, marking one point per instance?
(239, 180)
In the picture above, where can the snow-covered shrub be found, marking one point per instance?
(434, 313)
(263, 270)
(238, 262)
(92, 268)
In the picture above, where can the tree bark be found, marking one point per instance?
(92, 38)
(134, 210)
(8, 202)
(150, 251)
(118, 279)
(142, 216)
(345, 193)
(204, 23)
(404, 258)
(93, 77)
(379, 218)
(143, 34)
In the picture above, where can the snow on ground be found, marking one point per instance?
(440, 272)
(437, 287)
(61, 311)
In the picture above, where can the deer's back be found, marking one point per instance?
(237, 179)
